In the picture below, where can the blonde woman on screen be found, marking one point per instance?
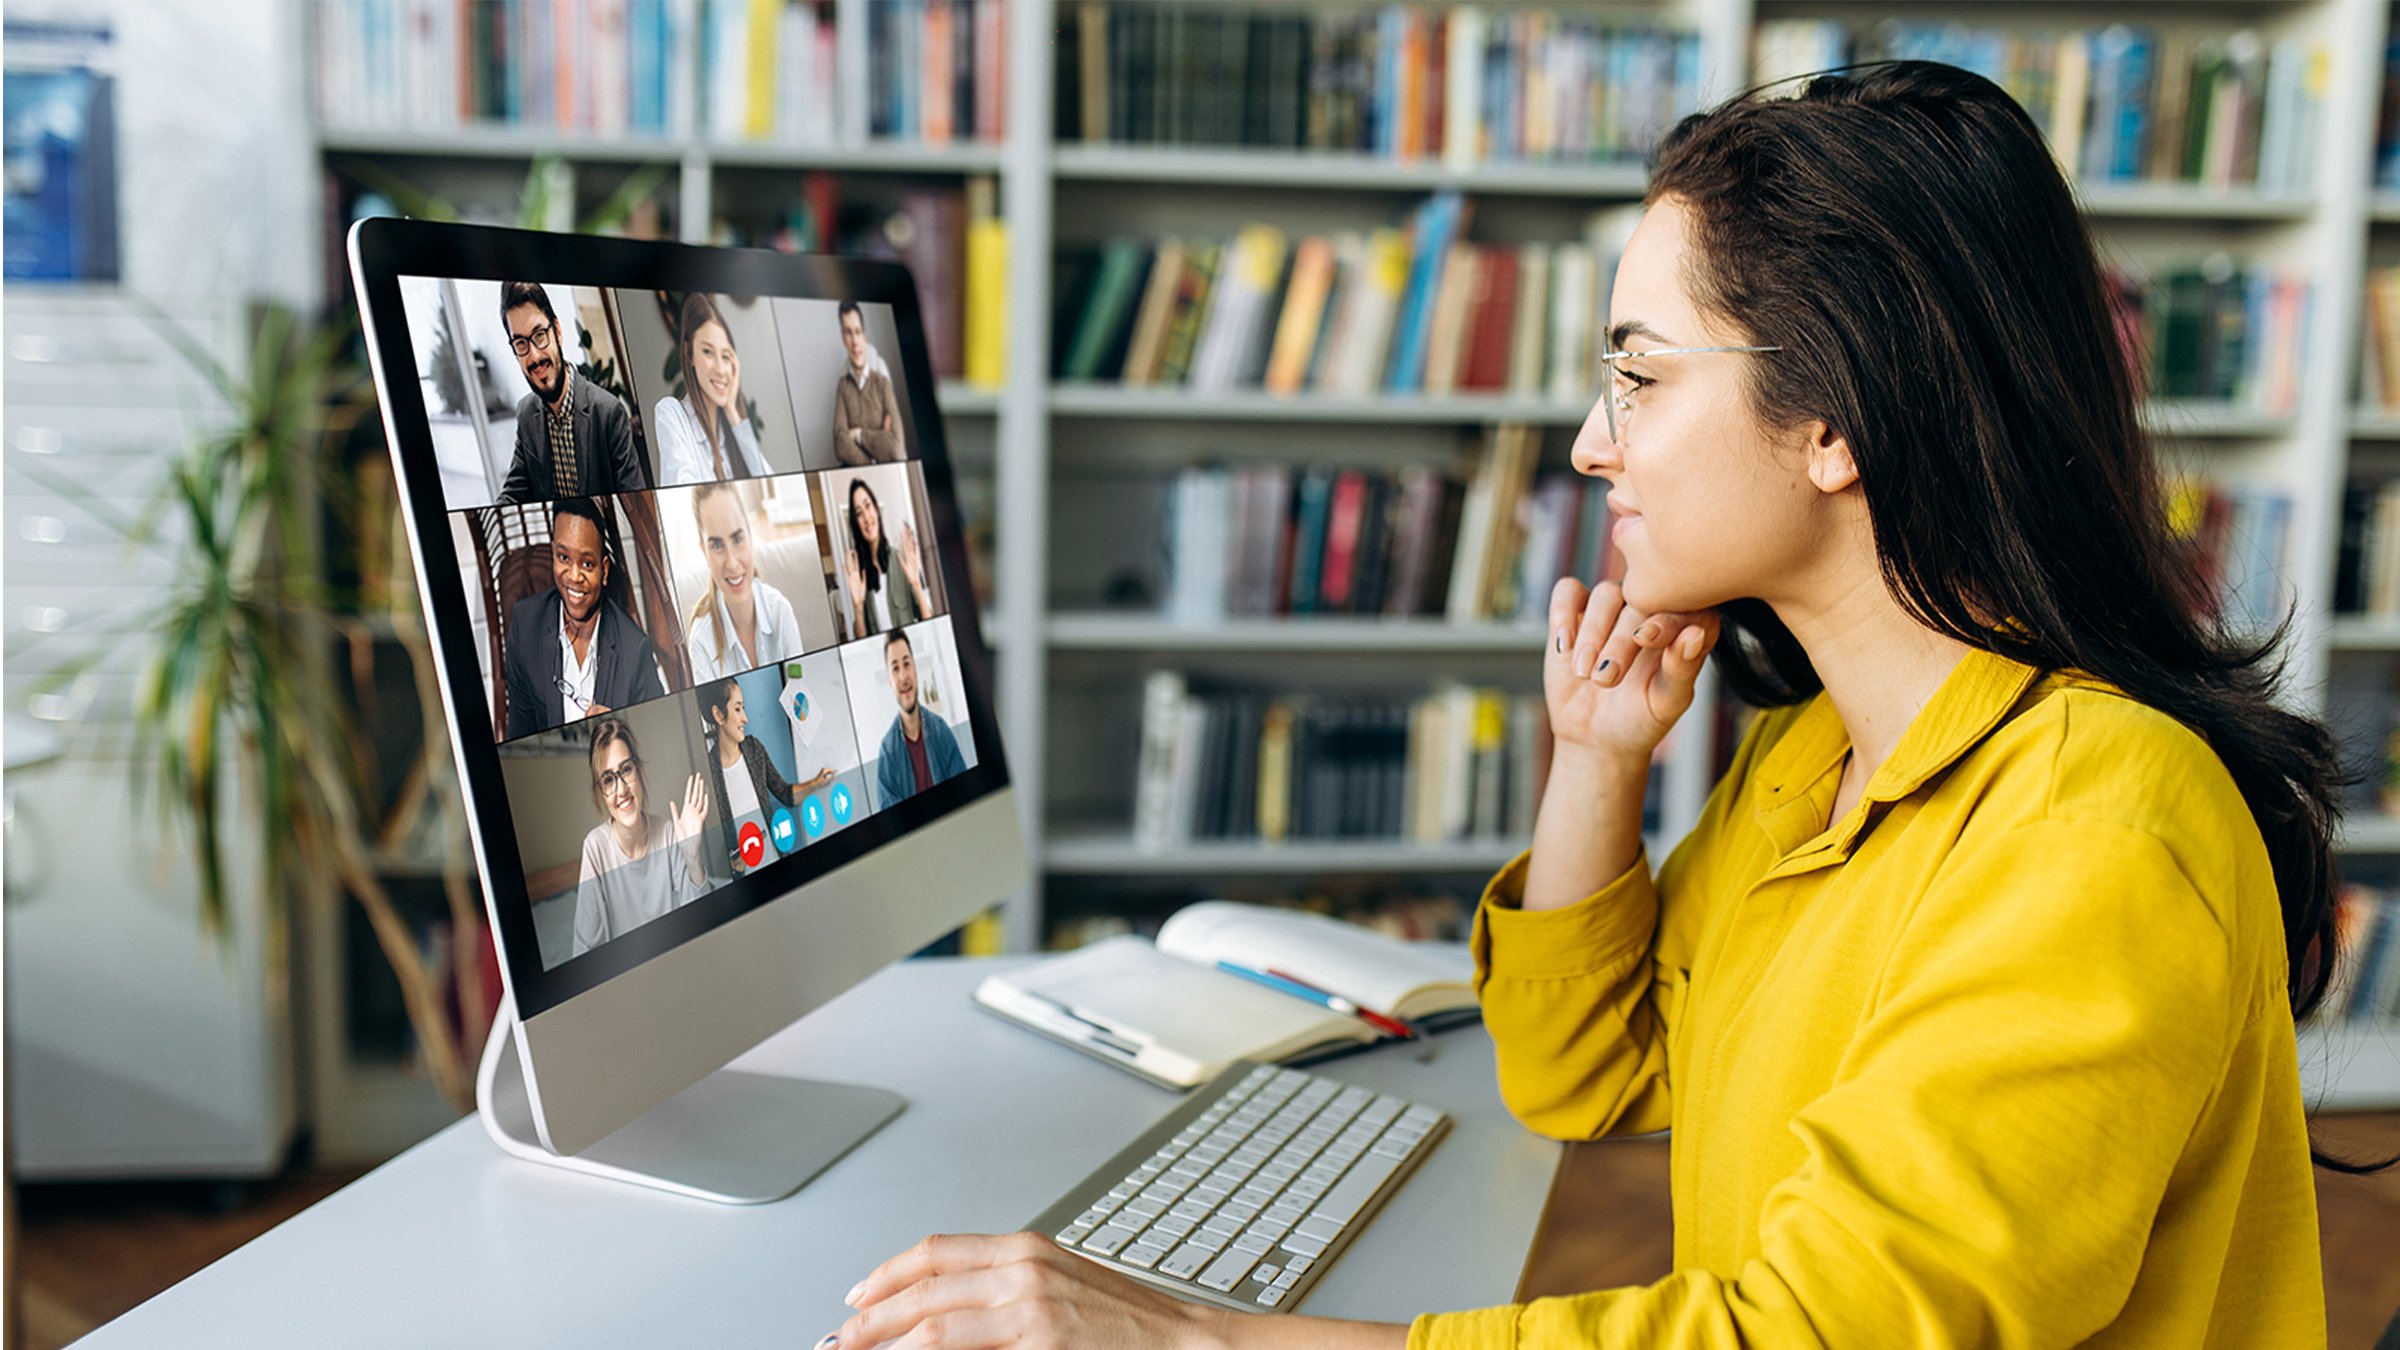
(636, 866)
(742, 623)
(705, 436)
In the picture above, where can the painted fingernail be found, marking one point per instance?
(829, 1342)
(857, 1289)
(1558, 642)
(1600, 671)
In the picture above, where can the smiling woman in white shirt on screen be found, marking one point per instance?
(705, 436)
(636, 866)
(742, 623)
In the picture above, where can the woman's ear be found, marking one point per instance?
(1830, 466)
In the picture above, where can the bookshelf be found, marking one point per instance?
(1066, 463)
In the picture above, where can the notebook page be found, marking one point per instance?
(1194, 1010)
(1367, 967)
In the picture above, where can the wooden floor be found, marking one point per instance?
(89, 1253)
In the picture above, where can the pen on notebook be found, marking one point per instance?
(1275, 979)
(1096, 1033)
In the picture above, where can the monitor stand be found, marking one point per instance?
(736, 1138)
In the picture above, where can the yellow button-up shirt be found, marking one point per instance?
(2001, 1058)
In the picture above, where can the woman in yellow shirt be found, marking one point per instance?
(1970, 1000)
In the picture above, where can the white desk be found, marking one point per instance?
(453, 1244)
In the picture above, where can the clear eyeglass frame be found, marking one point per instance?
(1615, 401)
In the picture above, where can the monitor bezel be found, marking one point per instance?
(387, 249)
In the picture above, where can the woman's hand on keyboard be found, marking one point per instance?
(1019, 1290)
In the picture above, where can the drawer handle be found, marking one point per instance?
(45, 529)
(34, 348)
(39, 440)
(45, 619)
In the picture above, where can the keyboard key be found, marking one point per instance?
(1306, 1246)
(1208, 1239)
(1227, 1270)
(1072, 1234)
(1253, 1244)
(1298, 1265)
(1142, 1255)
(1270, 1296)
(1288, 1278)
(1168, 1226)
(1321, 1226)
(1186, 1262)
(1356, 1187)
(1110, 1239)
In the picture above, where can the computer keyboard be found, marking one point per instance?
(1244, 1194)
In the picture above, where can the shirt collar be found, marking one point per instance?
(1975, 697)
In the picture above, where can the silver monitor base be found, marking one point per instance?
(736, 1138)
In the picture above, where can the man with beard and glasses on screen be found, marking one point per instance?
(574, 438)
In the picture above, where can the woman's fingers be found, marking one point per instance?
(936, 1308)
(941, 1254)
(1566, 604)
(1601, 610)
(1636, 635)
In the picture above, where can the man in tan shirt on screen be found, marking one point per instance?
(866, 418)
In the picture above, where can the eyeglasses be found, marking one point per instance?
(610, 778)
(583, 706)
(540, 338)
(1617, 401)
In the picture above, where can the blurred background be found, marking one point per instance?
(1263, 328)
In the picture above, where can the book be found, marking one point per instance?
(1164, 1011)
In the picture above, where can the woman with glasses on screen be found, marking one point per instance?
(636, 866)
(704, 436)
(1970, 999)
(880, 599)
(741, 623)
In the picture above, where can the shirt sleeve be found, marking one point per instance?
(2049, 1026)
(615, 425)
(518, 486)
(591, 909)
(1566, 995)
(881, 444)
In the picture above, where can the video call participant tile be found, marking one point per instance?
(889, 574)
(848, 392)
(908, 700)
(748, 561)
(614, 824)
(570, 600)
(527, 391)
(711, 371)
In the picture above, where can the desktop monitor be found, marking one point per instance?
(698, 600)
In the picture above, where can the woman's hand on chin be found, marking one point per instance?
(1615, 677)
(1022, 1291)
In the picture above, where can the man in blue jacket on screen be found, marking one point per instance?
(918, 751)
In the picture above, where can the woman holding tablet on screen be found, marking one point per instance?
(636, 866)
(705, 435)
(1970, 998)
(742, 623)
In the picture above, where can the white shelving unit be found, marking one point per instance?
(1052, 447)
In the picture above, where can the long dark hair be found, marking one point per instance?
(870, 564)
(715, 423)
(1902, 232)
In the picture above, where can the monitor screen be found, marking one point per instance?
(695, 573)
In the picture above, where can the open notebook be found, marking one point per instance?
(1165, 1012)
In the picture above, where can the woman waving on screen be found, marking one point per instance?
(1970, 998)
